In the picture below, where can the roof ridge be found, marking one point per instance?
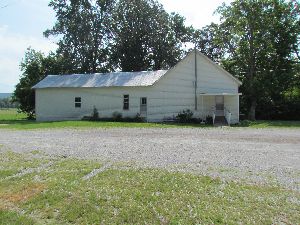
(115, 72)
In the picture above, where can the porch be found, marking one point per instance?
(222, 107)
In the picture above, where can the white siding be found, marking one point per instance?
(212, 79)
(171, 94)
(208, 104)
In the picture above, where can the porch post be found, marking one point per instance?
(202, 108)
(238, 103)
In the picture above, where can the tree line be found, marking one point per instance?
(6, 103)
(257, 41)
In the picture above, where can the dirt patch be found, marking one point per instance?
(23, 195)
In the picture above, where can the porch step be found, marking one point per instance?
(220, 121)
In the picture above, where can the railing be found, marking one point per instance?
(227, 114)
(213, 116)
(213, 110)
(224, 112)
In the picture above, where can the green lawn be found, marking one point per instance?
(58, 195)
(13, 120)
(269, 124)
(11, 115)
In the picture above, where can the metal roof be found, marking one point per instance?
(117, 79)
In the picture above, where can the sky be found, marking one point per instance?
(22, 23)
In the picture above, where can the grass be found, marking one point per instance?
(269, 124)
(11, 115)
(59, 195)
(10, 119)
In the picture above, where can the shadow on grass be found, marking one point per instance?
(268, 123)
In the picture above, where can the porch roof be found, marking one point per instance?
(224, 94)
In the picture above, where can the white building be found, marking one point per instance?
(203, 87)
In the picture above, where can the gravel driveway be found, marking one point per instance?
(255, 155)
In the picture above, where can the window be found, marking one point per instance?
(143, 101)
(126, 102)
(77, 102)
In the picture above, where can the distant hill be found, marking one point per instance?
(5, 95)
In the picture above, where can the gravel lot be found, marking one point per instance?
(254, 155)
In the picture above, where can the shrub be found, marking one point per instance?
(95, 114)
(116, 116)
(209, 120)
(186, 116)
(245, 123)
(138, 118)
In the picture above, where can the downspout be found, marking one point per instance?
(196, 80)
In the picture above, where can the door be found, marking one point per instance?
(143, 107)
(219, 105)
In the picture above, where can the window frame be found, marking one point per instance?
(78, 102)
(144, 99)
(126, 102)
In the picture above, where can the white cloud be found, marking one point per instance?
(197, 13)
(12, 49)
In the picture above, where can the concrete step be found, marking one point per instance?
(220, 121)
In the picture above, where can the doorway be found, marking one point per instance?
(219, 105)
(143, 107)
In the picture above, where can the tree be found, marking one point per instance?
(257, 38)
(146, 36)
(206, 41)
(35, 66)
(85, 30)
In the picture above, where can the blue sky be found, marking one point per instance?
(22, 23)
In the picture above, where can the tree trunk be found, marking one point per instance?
(251, 113)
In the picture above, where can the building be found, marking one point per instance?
(203, 87)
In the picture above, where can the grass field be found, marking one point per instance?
(269, 124)
(13, 120)
(35, 189)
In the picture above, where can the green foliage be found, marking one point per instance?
(146, 37)
(85, 30)
(257, 38)
(117, 116)
(95, 114)
(35, 66)
(186, 116)
(209, 120)
(205, 40)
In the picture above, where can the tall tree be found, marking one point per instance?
(146, 36)
(258, 38)
(206, 41)
(35, 66)
(85, 30)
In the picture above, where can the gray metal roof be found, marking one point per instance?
(117, 79)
